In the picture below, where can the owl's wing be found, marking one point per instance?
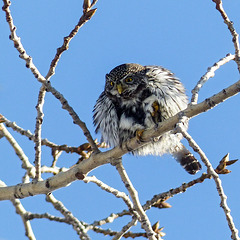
(167, 92)
(106, 120)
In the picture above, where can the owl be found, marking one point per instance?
(136, 98)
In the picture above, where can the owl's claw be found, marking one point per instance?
(155, 107)
(139, 134)
(156, 115)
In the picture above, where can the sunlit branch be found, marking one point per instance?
(143, 218)
(229, 23)
(111, 190)
(216, 178)
(29, 64)
(125, 228)
(22, 212)
(38, 133)
(209, 74)
(77, 225)
(18, 150)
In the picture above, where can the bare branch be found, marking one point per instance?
(109, 189)
(109, 232)
(125, 228)
(29, 63)
(143, 218)
(77, 225)
(73, 114)
(22, 212)
(38, 133)
(87, 15)
(209, 74)
(31, 216)
(18, 150)
(216, 178)
(46, 142)
(181, 189)
(232, 30)
(54, 170)
(109, 219)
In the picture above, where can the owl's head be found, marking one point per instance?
(125, 81)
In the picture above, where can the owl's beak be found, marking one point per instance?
(119, 88)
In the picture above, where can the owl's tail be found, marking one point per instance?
(187, 160)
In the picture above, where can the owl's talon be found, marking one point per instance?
(156, 115)
(155, 107)
(139, 134)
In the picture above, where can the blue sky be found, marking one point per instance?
(186, 37)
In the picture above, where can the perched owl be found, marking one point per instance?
(137, 97)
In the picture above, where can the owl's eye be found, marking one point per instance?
(128, 80)
(111, 83)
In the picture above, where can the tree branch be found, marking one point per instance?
(209, 74)
(109, 189)
(232, 30)
(77, 225)
(18, 150)
(125, 228)
(216, 178)
(29, 64)
(38, 133)
(22, 212)
(80, 170)
(143, 218)
(46, 142)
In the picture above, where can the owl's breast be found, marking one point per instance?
(132, 116)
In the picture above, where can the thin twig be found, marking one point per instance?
(109, 219)
(109, 232)
(172, 192)
(87, 15)
(232, 30)
(125, 228)
(73, 114)
(109, 189)
(77, 225)
(31, 216)
(143, 218)
(54, 170)
(209, 74)
(29, 64)
(161, 197)
(22, 212)
(216, 178)
(18, 150)
(38, 132)
(46, 142)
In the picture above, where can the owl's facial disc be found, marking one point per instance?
(124, 88)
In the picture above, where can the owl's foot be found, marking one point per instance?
(155, 107)
(139, 134)
(156, 115)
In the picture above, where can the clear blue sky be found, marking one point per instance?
(184, 36)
